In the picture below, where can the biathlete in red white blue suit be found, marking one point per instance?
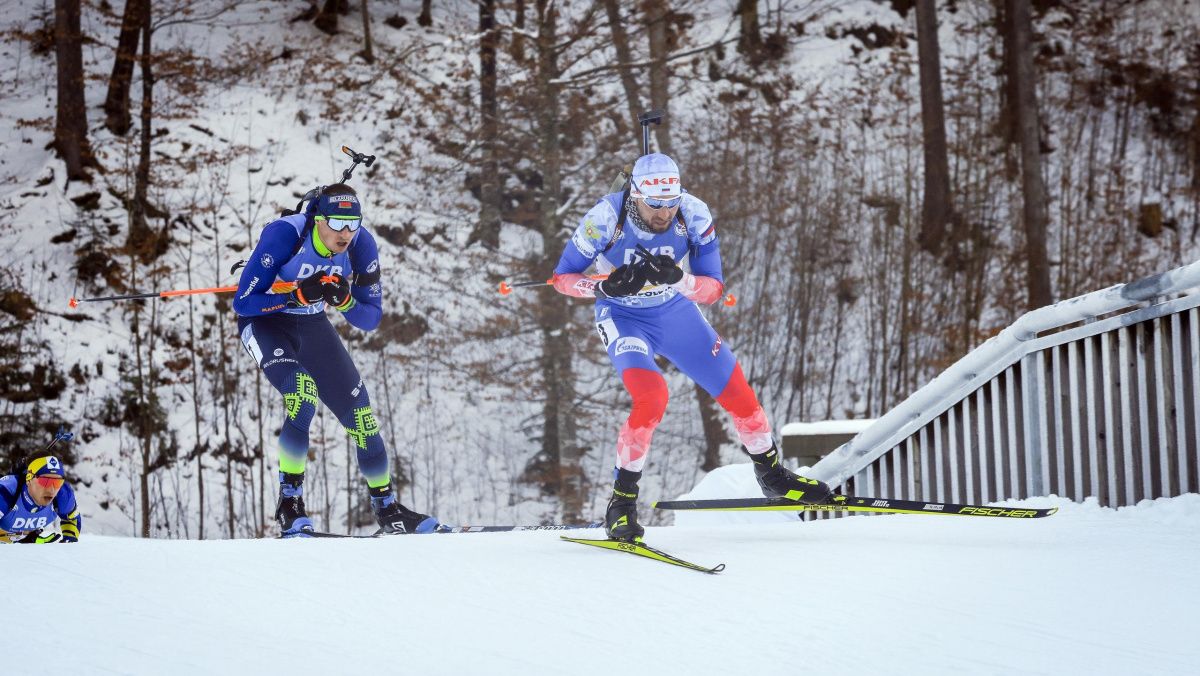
(333, 261)
(646, 307)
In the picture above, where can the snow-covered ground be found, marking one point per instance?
(1087, 591)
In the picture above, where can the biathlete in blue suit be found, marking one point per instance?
(646, 307)
(333, 261)
(32, 502)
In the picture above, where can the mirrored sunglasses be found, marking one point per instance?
(49, 481)
(340, 223)
(655, 203)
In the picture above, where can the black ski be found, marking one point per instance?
(322, 534)
(642, 549)
(850, 503)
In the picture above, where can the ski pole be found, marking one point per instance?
(277, 287)
(61, 435)
(506, 288)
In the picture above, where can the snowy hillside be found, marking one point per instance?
(1087, 591)
(809, 153)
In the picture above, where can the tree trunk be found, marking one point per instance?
(714, 431)
(559, 442)
(116, 103)
(487, 230)
(140, 431)
(1008, 124)
(368, 53)
(198, 448)
(656, 12)
(936, 207)
(1032, 185)
(628, 80)
(425, 18)
(140, 236)
(326, 20)
(70, 128)
(518, 37)
(750, 39)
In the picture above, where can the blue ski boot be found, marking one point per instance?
(394, 517)
(289, 511)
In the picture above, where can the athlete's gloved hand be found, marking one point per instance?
(308, 291)
(662, 269)
(624, 281)
(337, 292)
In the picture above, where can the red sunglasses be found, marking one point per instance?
(49, 481)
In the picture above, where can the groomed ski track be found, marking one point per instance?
(1089, 590)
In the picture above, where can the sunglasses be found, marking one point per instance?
(340, 223)
(655, 203)
(49, 481)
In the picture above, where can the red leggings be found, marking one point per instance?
(649, 392)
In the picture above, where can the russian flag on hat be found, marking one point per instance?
(656, 175)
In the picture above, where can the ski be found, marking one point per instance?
(642, 549)
(322, 534)
(850, 503)
(506, 529)
(445, 528)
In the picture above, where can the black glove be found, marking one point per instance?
(624, 281)
(662, 269)
(308, 291)
(337, 292)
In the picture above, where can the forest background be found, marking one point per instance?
(893, 182)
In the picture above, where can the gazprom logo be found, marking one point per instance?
(631, 344)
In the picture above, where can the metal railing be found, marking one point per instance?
(1092, 396)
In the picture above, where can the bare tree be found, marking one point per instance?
(116, 103)
(559, 439)
(368, 53)
(624, 58)
(936, 210)
(657, 12)
(488, 228)
(140, 236)
(749, 42)
(70, 128)
(1032, 186)
(326, 20)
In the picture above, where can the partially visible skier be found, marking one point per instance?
(334, 262)
(647, 306)
(32, 501)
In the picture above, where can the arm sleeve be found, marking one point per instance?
(253, 297)
(367, 310)
(594, 233)
(8, 493)
(705, 284)
(70, 521)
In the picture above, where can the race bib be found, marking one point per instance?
(608, 332)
